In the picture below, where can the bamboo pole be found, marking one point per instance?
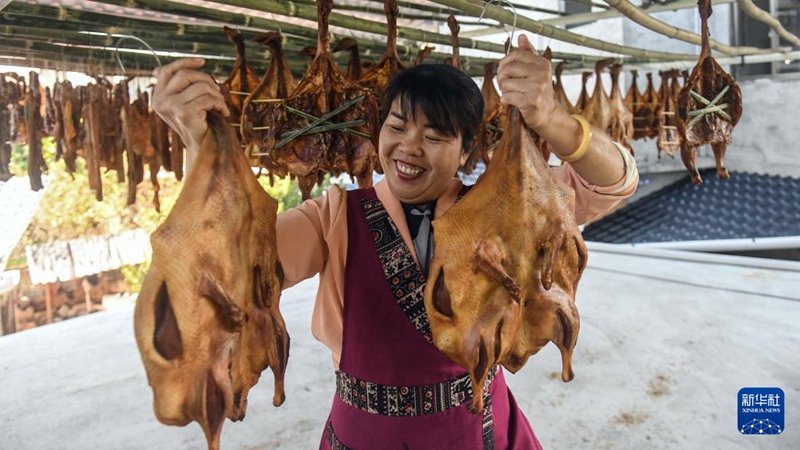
(611, 13)
(308, 12)
(756, 13)
(476, 7)
(445, 11)
(632, 12)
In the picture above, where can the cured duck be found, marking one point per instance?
(241, 81)
(207, 319)
(709, 106)
(324, 98)
(621, 129)
(503, 285)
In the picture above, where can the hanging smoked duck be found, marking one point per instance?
(207, 321)
(503, 285)
(709, 105)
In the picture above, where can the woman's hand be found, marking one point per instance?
(525, 79)
(526, 82)
(182, 96)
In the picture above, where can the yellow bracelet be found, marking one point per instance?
(587, 139)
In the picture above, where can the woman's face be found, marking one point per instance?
(418, 161)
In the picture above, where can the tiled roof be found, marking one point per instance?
(745, 206)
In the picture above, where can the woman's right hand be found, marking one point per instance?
(183, 95)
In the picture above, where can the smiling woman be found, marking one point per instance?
(428, 131)
(371, 249)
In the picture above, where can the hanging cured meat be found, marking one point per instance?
(92, 142)
(58, 125)
(502, 285)
(5, 128)
(241, 81)
(583, 99)
(207, 320)
(452, 23)
(621, 117)
(305, 130)
(378, 77)
(669, 141)
(634, 102)
(598, 109)
(423, 53)
(73, 125)
(34, 124)
(558, 87)
(709, 105)
(278, 83)
(493, 116)
(176, 153)
(651, 103)
(138, 141)
(350, 45)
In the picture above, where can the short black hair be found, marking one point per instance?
(449, 98)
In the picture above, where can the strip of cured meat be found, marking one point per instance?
(207, 320)
(5, 128)
(621, 117)
(558, 88)
(34, 125)
(502, 285)
(493, 114)
(648, 111)
(583, 98)
(598, 109)
(73, 125)
(350, 45)
(709, 105)
(241, 81)
(92, 142)
(296, 138)
(669, 141)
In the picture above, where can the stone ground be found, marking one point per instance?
(665, 345)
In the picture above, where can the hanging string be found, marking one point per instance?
(135, 38)
(502, 25)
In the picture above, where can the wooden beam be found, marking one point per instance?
(48, 301)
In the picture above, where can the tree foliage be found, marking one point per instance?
(68, 209)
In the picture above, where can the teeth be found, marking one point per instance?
(406, 170)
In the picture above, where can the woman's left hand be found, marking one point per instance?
(526, 82)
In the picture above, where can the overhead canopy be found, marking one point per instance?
(84, 36)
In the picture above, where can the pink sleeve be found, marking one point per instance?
(591, 200)
(312, 239)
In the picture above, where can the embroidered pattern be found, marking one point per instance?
(403, 401)
(404, 276)
(333, 441)
(488, 414)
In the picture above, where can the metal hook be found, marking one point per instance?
(514, 24)
(127, 36)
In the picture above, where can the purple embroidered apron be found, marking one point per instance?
(395, 389)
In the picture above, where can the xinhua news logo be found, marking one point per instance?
(761, 410)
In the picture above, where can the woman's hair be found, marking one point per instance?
(449, 98)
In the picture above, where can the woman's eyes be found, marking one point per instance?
(396, 128)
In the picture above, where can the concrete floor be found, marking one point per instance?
(665, 345)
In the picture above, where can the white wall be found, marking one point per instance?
(767, 138)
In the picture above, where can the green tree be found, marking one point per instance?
(68, 209)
